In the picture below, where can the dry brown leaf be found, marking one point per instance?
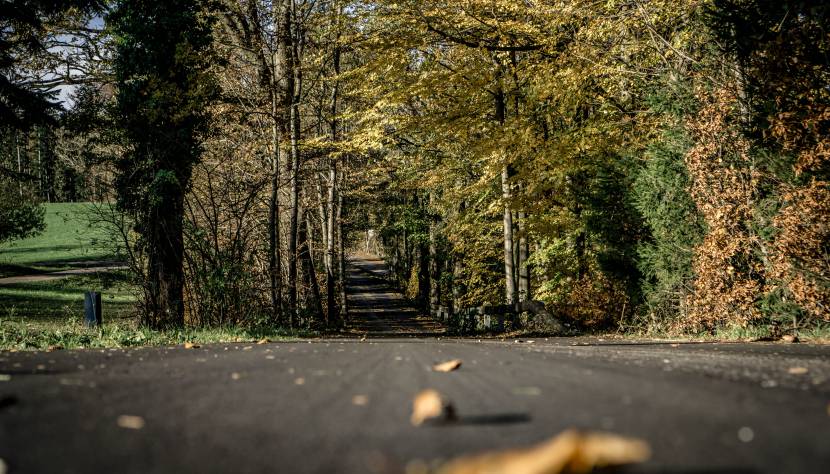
(789, 338)
(264, 341)
(447, 366)
(797, 370)
(430, 405)
(360, 400)
(130, 422)
(191, 345)
(570, 452)
(299, 381)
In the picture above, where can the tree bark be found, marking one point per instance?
(274, 264)
(524, 269)
(341, 275)
(308, 269)
(434, 269)
(289, 52)
(510, 287)
(332, 191)
(166, 261)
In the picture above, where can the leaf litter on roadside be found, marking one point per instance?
(447, 366)
(429, 405)
(570, 452)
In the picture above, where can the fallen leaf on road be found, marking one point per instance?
(797, 370)
(191, 345)
(447, 366)
(130, 422)
(530, 391)
(5, 377)
(430, 405)
(360, 400)
(264, 341)
(570, 452)
(789, 338)
(235, 376)
(299, 381)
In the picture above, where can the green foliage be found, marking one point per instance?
(19, 218)
(675, 227)
(162, 67)
(165, 87)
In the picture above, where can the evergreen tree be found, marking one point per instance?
(164, 88)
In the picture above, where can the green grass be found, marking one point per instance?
(49, 314)
(68, 237)
(72, 334)
(64, 298)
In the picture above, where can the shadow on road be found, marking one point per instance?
(495, 419)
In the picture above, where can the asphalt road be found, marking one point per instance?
(343, 406)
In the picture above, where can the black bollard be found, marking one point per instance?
(92, 308)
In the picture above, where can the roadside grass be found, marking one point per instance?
(17, 335)
(819, 334)
(49, 314)
(69, 239)
(63, 298)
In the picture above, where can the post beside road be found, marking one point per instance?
(92, 309)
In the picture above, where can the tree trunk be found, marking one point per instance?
(341, 275)
(510, 288)
(308, 269)
(332, 191)
(424, 280)
(166, 259)
(434, 269)
(294, 85)
(524, 253)
(274, 264)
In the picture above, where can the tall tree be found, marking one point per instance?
(164, 85)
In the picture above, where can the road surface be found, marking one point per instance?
(343, 405)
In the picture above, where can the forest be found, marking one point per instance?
(640, 166)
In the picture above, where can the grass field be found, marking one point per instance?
(68, 239)
(63, 298)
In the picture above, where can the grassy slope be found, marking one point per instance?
(64, 298)
(69, 237)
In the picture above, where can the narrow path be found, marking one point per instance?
(378, 310)
(61, 274)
